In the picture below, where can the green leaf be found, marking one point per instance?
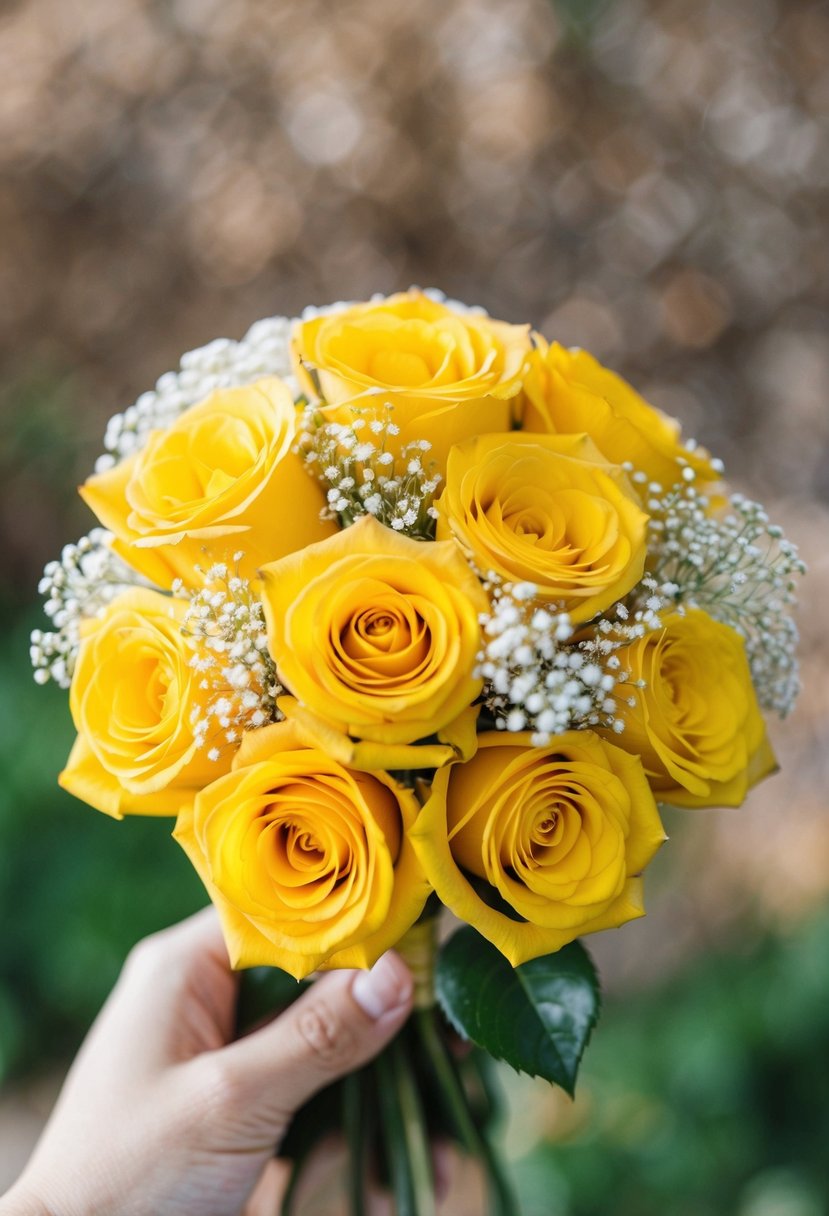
(537, 1017)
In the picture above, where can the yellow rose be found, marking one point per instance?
(309, 864)
(448, 375)
(221, 479)
(132, 696)
(696, 724)
(546, 509)
(558, 834)
(376, 636)
(570, 391)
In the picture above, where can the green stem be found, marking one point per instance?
(355, 1114)
(394, 1138)
(416, 1131)
(457, 1104)
(405, 1134)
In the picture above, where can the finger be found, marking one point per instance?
(339, 1024)
(186, 964)
(188, 943)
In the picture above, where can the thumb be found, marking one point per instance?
(344, 1020)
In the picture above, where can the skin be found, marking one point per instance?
(162, 1112)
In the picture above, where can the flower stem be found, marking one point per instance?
(394, 1139)
(355, 1122)
(502, 1201)
(405, 1134)
(416, 1130)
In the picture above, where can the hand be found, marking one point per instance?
(162, 1113)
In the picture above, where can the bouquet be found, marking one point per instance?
(412, 620)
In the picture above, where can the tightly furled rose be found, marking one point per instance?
(132, 696)
(222, 478)
(309, 864)
(696, 723)
(559, 833)
(569, 391)
(447, 375)
(376, 636)
(550, 510)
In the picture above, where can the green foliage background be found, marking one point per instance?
(76, 889)
(709, 1095)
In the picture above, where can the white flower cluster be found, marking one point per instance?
(738, 568)
(544, 675)
(536, 677)
(263, 351)
(79, 585)
(238, 677)
(362, 477)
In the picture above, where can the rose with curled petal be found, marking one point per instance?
(558, 835)
(132, 699)
(568, 391)
(447, 375)
(550, 510)
(695, 720)
(222, 478)
(376, 636)
(308, 863)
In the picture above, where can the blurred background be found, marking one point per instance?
(646, 179)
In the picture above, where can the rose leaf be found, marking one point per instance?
(537, 1017)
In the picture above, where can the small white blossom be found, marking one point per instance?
(227, 626)
(88, 577)
(263, 351)
(741, 570)
(536, 677)
(366, 478)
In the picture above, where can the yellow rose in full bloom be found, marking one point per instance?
(132, 696)
(559, 834)
(448, 375)
(223, 478)
(569, 391)
(696, 723)
(550, 510)
(308, 863)
(376, 636)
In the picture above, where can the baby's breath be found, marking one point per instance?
(238, 678)
(543, 674)
(738, 568)
(79, 584)
(263, 351)
(362, 477)
(537, 677)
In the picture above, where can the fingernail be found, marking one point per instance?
(387, 986)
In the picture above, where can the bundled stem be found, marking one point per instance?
(384, 1106)
(357, 1121)
(405, 1134)
(456, 1100)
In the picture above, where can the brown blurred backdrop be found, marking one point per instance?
(646, 179)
